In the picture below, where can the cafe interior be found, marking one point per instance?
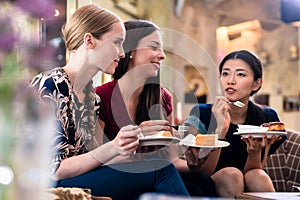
(197, 35)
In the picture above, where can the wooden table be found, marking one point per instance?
(270, 195)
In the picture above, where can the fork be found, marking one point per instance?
(237, 103)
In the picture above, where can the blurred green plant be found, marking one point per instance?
(21, 53)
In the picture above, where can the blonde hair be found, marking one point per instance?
(97, 21)
(91, 116)
(87, 19)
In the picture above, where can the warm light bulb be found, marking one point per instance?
(56, 13)
(222, 33)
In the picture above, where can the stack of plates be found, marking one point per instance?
(251, 128)
(257, 131)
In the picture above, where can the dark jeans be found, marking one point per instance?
(130, 180)
(199, 184)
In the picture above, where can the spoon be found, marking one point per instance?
(237, 103)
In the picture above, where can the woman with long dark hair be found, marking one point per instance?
(135, 96)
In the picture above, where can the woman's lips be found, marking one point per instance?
(156, 64)
(116, 62)
(230, 90)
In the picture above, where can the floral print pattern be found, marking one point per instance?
(70, 115)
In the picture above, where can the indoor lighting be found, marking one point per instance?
(56, 13)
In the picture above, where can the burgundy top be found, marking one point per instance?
(113, 111)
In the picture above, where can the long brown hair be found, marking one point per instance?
(151, 94)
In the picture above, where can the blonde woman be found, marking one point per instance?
(94, 38)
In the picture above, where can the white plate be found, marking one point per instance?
(220, 144)
(252, 128)
(154, 141)
(259, 134)
(243, 126)
(189, 141)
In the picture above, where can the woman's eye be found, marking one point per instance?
(225, 73)
(153, 47)
(118, 43)
(241, 74)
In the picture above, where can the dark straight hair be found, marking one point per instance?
(151, 94)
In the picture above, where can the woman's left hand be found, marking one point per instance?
(255, 144)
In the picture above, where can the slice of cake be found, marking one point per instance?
(206, 139)
(165, 133)
(161, 134)
(274, 126)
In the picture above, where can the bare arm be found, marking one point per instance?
(118, 158)
(83, 163)
(125, 143)
(180, 164)
(220, 110)
(254, 148)
(267, 148)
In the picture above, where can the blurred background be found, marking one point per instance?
(201, 32)
(198, 33)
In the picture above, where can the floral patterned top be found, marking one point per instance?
(71, 133)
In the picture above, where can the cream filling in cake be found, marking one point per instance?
(206, 139)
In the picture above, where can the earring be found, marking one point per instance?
(130, 56)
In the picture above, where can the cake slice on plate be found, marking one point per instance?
(206, 139)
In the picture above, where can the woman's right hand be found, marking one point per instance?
(126, 141)
(220, 110)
